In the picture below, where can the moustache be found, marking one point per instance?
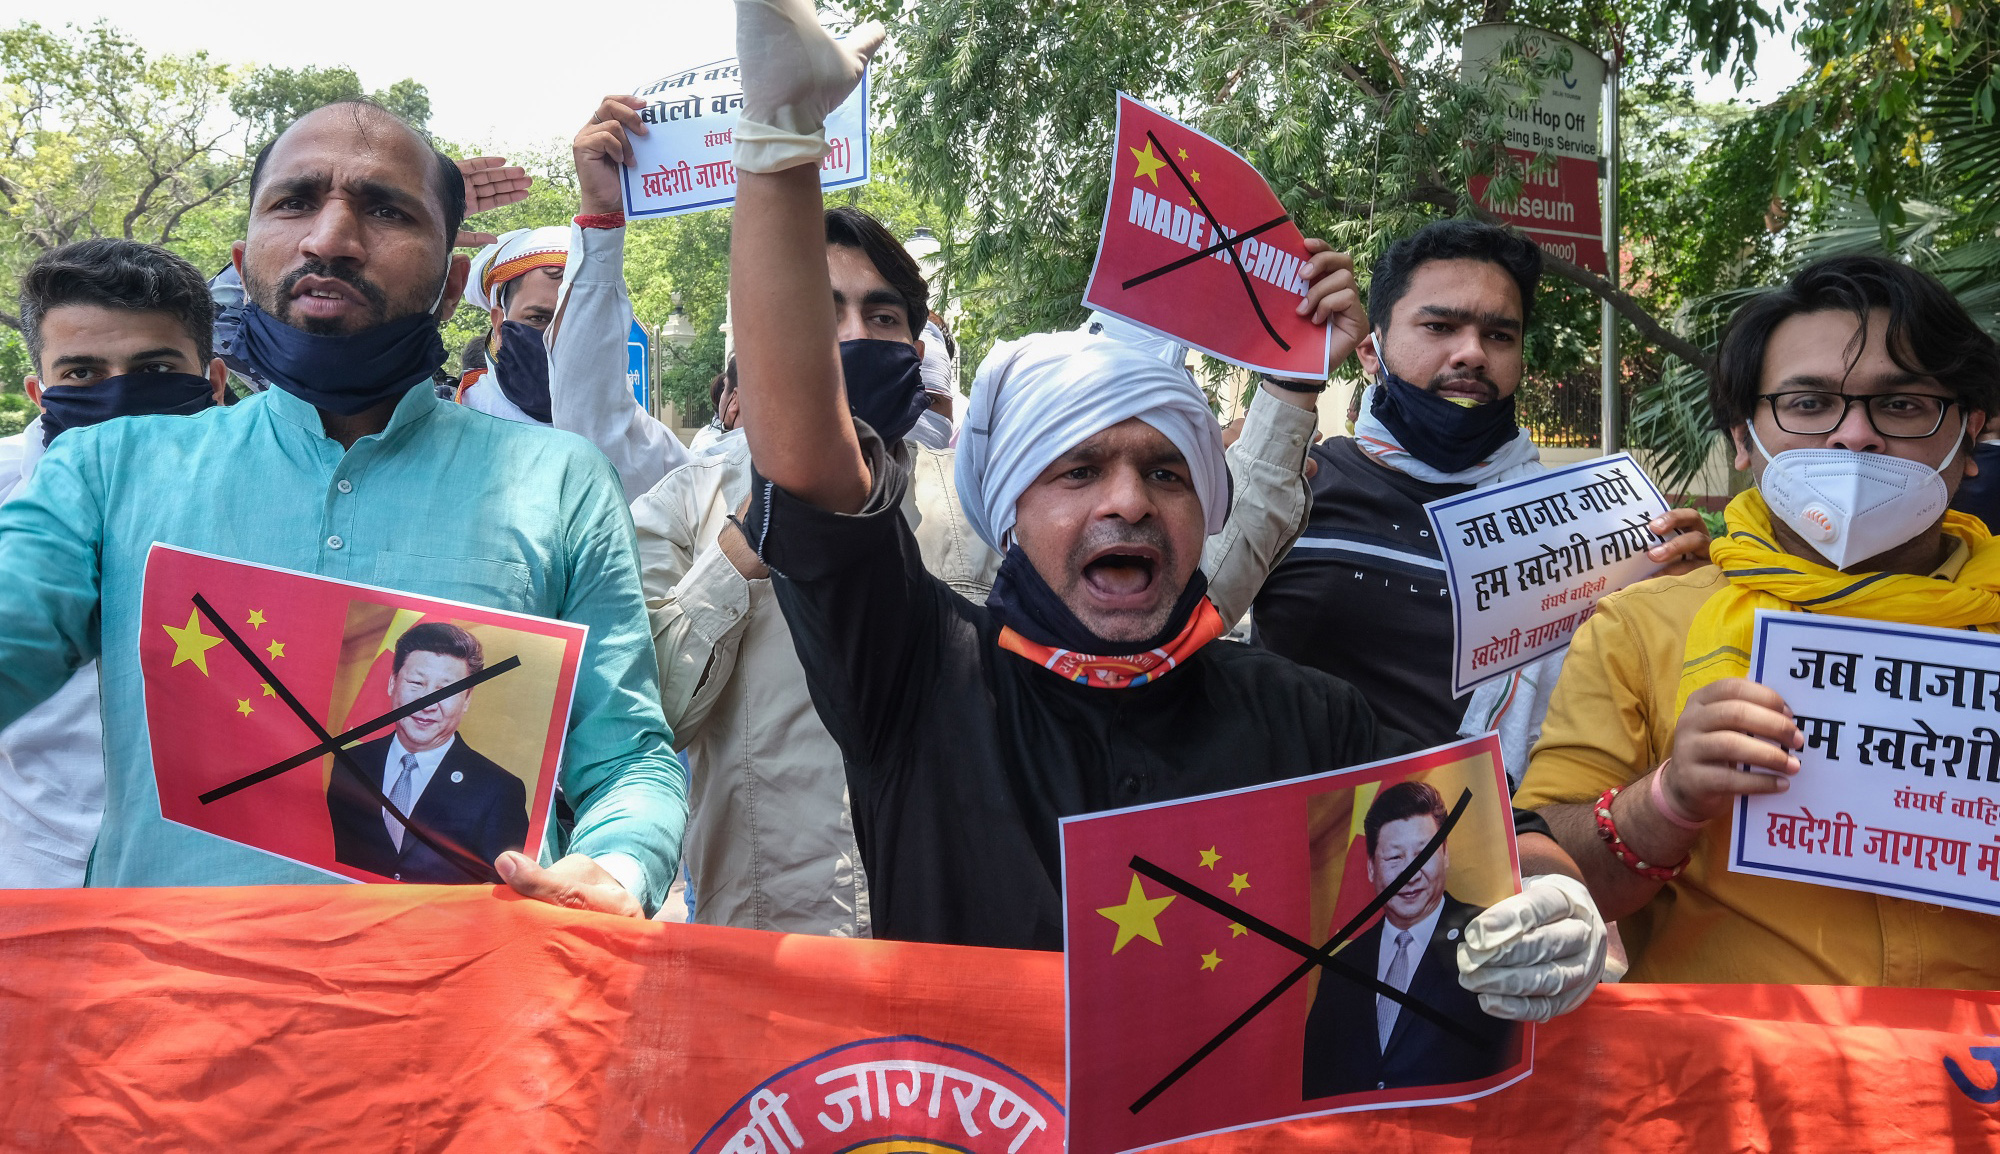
(1106, 533)
(1489, 391)
(313, 266)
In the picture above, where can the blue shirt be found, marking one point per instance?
(445, 502)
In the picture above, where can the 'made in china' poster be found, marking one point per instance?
(1285, 951)
(368, 733)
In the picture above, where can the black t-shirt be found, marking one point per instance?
(1362, 595)
(961, 757)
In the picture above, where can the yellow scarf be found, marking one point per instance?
(1761, 576)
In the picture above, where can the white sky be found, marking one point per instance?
(508, 73)
(503, 72)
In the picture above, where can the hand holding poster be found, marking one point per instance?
(684, 162)
(1307, 974)
(1527, 561)
(370, 734)
(1197, 248)
(1898, 789)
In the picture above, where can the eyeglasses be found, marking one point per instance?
(1816, 412)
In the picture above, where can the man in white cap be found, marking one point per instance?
(1089, 679)
(516, 280)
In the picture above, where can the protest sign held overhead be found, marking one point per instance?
(371, 734)
(1527, 561)
(1197, 248)
(1898, 789)
(1291, 960)
(685, 163)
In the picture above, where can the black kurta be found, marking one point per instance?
(961, 757)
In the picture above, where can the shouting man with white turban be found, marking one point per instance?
(1091, 678)
(516, 280)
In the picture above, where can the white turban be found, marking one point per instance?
(510, 256)
(1145, 340)
(1039, 397)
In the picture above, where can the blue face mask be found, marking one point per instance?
(523, 367)
(128, 395)
(343, 374)
(1448, 437)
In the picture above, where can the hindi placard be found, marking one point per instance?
(1269, 920)
(1898, 789)
(364, 732)
(685, 162)
(1527, 561)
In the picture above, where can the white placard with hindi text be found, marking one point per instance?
(1526, 561)
(685, 162)
(1898, 789)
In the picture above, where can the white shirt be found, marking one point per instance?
(485, 395)
(588, 394)
(427, 763)
(52, 758)
(707, 438)
(1420, 940)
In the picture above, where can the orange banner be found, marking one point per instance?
(412, 1018)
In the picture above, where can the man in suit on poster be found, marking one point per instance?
(457, 797)
(1358, 1040)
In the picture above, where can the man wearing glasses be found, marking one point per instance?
(1852, 395)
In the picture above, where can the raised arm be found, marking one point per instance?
(588, 391)
(793, 405)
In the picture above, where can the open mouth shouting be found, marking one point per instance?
(1123, 577)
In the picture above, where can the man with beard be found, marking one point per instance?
(1362, 595)
(1091, 678)
(360, 473)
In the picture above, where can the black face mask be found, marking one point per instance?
(1023, 601)
(343, 374)
(127, 395)
(1447, 437)
(885, 385)
(523, 367)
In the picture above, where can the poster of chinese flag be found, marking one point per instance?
(1197, 248)
(374, 735)
(1286, 950)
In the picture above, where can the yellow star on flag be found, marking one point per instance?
(1150, 164)
(1195, 177)
(1237, 929)
(1183, 153)
(268, 691)
(256, 619)
(190, 643)
(275, 649)
(1209, 857)
(1239, 882)
(1210, 960)
(1135, 919)
(243, 707)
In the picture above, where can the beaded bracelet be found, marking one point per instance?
(1607, 832)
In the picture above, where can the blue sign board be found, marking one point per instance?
(638, 346)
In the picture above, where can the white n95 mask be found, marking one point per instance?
(1850, 506)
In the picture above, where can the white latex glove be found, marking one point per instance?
(794, 76)
(1536, 954)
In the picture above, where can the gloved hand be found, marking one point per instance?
(1536, 954)
(794, 76)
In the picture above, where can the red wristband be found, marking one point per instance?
(1607, 832)
(601, 220)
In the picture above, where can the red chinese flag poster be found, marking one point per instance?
(1197, 248)
(1285, 951)
(372, 734)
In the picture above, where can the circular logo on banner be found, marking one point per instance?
(904, 1095)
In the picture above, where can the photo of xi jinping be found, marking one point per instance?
(456, 796)
(1359, 1040)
